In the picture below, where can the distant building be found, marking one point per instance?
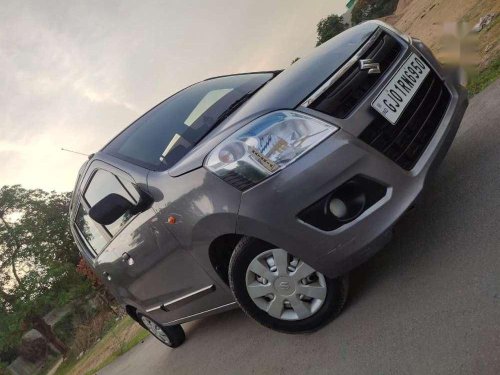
(347, 15)
(350, 4)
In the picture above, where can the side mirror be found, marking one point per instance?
(110, 208)
(113, 206)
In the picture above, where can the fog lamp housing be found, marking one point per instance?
(347, 202)
(344, 204)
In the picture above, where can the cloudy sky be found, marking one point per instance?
(74, 73)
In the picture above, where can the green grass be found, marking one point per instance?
(485, 77)
(123, 349)
(66, 367)
(69, 365)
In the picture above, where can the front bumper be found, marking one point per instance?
(269, 210)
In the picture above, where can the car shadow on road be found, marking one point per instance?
(228, 317)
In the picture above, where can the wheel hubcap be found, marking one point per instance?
(285, 287)
(156, 330)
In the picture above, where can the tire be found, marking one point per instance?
(171, 336)
(240, 275)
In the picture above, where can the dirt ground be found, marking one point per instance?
(427, 19)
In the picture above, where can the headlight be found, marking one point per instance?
(265, 146)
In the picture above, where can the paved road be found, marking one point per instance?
(427, 304)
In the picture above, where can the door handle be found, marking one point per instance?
(127, 259)
(107, 276)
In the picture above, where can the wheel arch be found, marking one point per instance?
(220, 251)
(132, 312)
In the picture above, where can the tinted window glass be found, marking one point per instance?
(89, 230)
(165, 134)
(104, 183)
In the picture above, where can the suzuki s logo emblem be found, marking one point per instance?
(284, 285)
(368, 64)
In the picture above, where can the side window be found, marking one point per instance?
(89, 230)
(104, 183)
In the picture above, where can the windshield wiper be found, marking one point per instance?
(232, 108)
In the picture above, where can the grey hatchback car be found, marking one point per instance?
(263, 190)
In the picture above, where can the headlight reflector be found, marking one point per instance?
(265, 146)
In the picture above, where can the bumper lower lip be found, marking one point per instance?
(268, 211)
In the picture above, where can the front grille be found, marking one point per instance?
(349, 89)
(406, 141)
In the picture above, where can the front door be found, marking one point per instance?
(141, 262)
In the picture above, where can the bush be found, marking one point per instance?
(65, 329)
(3, 369)
(88, 332)
(365, 10)
(7, 355)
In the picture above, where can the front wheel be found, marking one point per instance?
(172, 336)
(282, 292)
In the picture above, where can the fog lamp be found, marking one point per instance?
(347, 202)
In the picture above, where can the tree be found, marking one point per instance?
(365, 10)
(329, 27)
(38, 261)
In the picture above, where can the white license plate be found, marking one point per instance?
(393, 99)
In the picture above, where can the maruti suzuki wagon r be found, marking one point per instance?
(263, 190)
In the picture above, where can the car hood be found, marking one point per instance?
(286, 91)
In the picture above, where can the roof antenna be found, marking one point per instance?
(74, 152)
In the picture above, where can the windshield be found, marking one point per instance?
(162, 136)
